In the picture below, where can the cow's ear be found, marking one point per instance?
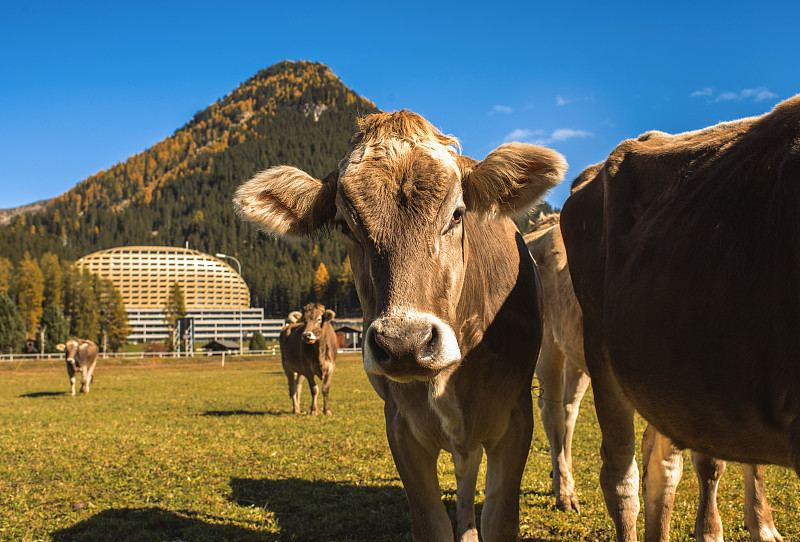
(288, 201)
(328, 316)
(294, 316)
(61, 347)
(511, 178)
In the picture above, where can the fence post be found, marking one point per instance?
(223, 358)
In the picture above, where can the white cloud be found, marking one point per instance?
(540, 137)
(560, 100)
(503, 109)
(704, 92)
(755, 94)
(522, 134)
(563, 134)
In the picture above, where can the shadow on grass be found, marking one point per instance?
(322, 510)
(44, 394)
(230, 413)
(148, 524)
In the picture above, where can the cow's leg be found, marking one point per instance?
(312, 385)
(575, 384)
(708, 525)
(298, 389)
(416, 464)
(294, 391)
(466, 467)
(326, 387)
(757, 513)
(505, 462)
(85, 379)
(71, 373)
(550, 372)
(619, 475)
(663, 466)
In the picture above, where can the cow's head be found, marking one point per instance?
(400, 197)
(70, 349)
(313, 317)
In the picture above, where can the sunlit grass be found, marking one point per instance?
(201, 452)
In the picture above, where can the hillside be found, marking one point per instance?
(179, 191)
(7, 214)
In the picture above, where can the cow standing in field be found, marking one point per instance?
(308, 349)
(563, 379)
(451, 301)
(683, 251)
(81, 356)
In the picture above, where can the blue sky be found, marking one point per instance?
(85, 85)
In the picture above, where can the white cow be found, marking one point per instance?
(81, 356)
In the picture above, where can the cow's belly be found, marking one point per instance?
(704, 375)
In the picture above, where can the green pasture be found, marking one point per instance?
(194, 451)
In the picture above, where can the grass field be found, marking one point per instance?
(195, 452)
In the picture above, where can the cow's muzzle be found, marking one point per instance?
(309, 337)
(409, 347)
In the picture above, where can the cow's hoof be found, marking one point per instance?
(568, 503)
(313, 412)
(328, 412)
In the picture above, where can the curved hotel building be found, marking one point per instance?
(216, 296)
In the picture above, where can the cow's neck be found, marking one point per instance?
(490, 276)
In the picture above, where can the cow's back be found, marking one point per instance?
(86, 355)
(683, 252)
(561, 313)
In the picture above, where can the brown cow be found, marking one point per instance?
(683, 255)
(81, 356)
(308, 349)
(451, 301)
(563, 379)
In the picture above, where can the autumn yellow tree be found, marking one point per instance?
(321, 279)
(6, 274)
(30, 293)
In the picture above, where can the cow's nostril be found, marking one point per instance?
(379, 347)
(431, 344)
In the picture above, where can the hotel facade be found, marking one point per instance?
(216, 297)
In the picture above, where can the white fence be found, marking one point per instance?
(273, 351)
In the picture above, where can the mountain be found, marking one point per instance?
(179, 191)
(7, 214)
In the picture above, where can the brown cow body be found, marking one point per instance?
(308, 350)
(563, 380)
(683, 254)
(81, 356)
(451, 301)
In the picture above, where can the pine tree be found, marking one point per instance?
(80, 305)
(51, 273)
(12, 327)
(174, 310)
(258, 342)
(55, 326)
(114, 326)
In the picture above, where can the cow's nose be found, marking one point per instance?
(412, 346)
(309, 336)
(416, 345)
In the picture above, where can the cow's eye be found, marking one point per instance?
(343, 228)
(458, 215)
